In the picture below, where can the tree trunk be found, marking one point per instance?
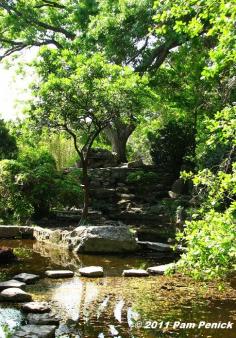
(118, 135)
(86, 191)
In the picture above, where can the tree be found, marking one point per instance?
(129, 32)
(8, 147)
(212, 20)
(82, 96)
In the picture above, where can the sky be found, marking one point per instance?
(14, 87)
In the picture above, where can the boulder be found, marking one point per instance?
(59, 273)
(15, 295)
(35, 331)
(27, 278)
(6, 255)
(91, 271)
(160, 269)
(135, 273)
(11, 284)
(103, 239)
(36, 307)
(42, 319)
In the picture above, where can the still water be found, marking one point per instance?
(119, 307)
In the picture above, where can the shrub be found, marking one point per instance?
(31, 186)
(216, 148)
(210, 233)
(211, 245)
(170, 144)
(70, 193)
(8, 147)
(13, 203)
(39, 180)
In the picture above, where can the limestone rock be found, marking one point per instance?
(35, 331)
(135, 273)
(160, 269)
(27, 278)
(11, 284)
(15, 295)
(103, 239)
(42, 319)
(36, 307)
(92, 271)
(59, 273)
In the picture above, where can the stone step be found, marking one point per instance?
(135, 273)
(36, 307)
(42, 319)
(160, 269)
(59, 273)
(15, 295)
(92, 271)
(137, 217)
(27, 278)
(126, 196)
(11, 284)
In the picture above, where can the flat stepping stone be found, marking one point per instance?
(135, 273)
(160, 269)
(59, 273)
(43, 319)
(92, 271)
(35, 331)
(15, 295)
(27, 278)
(36, 307)
(11, 284)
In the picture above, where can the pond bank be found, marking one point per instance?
(115, 238)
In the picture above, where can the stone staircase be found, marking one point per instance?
(134, 203)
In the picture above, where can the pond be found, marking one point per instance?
(116, 306)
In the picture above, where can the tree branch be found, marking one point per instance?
(138, 52)
(11, 9)
(90, 143)
(50, 4)
(19, 45)
(157, 56)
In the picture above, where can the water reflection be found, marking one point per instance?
(111, 306)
